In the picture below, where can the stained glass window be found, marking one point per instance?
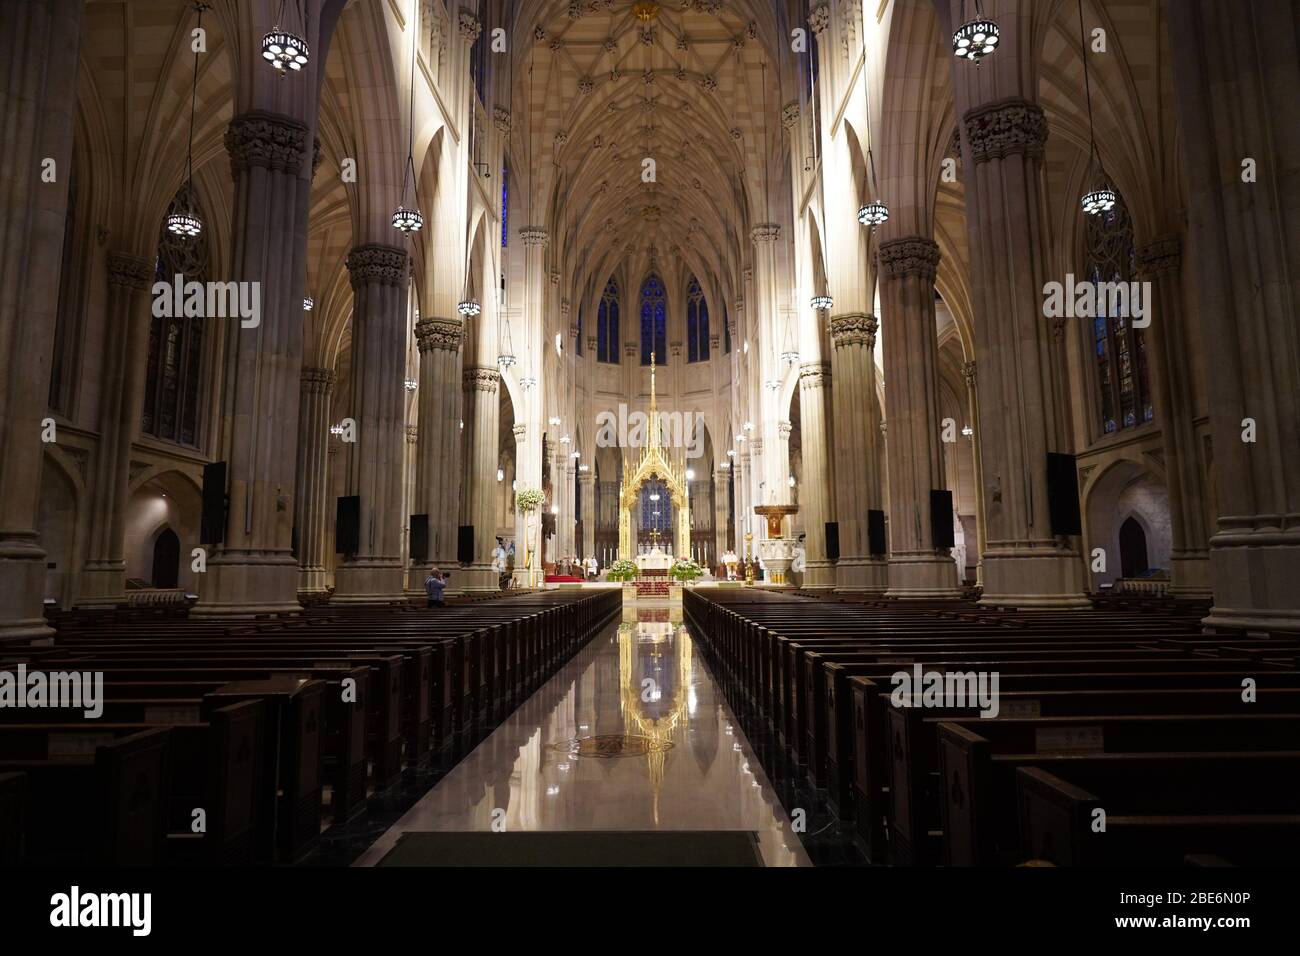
(654, 321)
(1123, 382)
(607, 324)
(656, 515)
(697, 323)
(505, 205)
(171, 397)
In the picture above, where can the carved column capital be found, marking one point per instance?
(790, 116)
(968, 370)
(501, 119)
(433, 334)
(534, 235)
(855, 328)
(1004, 128)
(470, 28)
(765, 232)
(317, 381)
(819, 19)
(521, 433)
(1160, 257)
(412, 433)
(483, 378)
(128, 271)
(374, 263)
(784, 429)
(910, 256)
(258, 138)
(814, 374)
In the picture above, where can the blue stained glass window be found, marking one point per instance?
(654, 321)
(607, 324)
(697, 323)
(505, 205)
(656, 515)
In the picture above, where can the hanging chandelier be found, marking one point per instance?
(976, 38)
(775, 383)
(411, 384)
(527, 382)
(308, 303)
(822, 303)
(1102, 198)
(873, 214)
(407, 219)
(285, 51)
(469, 305)
(186, 223)
(506, 357)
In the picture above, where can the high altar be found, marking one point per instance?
(653, 464)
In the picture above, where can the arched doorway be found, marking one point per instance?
(1132, 548)
(166, 559)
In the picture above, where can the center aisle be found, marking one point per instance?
(632, 734)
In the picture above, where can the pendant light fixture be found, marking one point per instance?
(976, 38)
(874, 213)
(407, 219)
(284, 50)
(822, 302)
(1100, 198)
(469, 305)
(506, 357)
(308, 303)
(186, 223)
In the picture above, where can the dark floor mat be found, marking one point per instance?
(577, 848)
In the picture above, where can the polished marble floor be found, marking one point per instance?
(632, 734)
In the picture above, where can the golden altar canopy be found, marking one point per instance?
(653, 464)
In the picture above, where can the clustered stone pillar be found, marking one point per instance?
(38, 47)
(816, 488)
(587, 489)
(379, 284)
(1025, 565)
(972, 399)
(721, 479)
(857, 450)
(437, 480)
(915, 459)
(103, 580)
(1236, 70)
(479, 490)
(1160, 263)
(254, 570)
(311, 501)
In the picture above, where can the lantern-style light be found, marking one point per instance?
(407, 220)
(975, 39)
(469, 307)
(873, 214)
(308, 303)
(822, 303)
(284, 50)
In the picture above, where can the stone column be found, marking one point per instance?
(311, 499)
(379, 282)
(1236, 69)
(1160, 263)
(1025, 565)
(587, 488)
(972, 399)
(479, 490)
(721, 478)
(254, 571)
(437, 470)
(915, 458)
(39, 50)
(858, 450)
(528, 535)
(103, 579)
(815, 493)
